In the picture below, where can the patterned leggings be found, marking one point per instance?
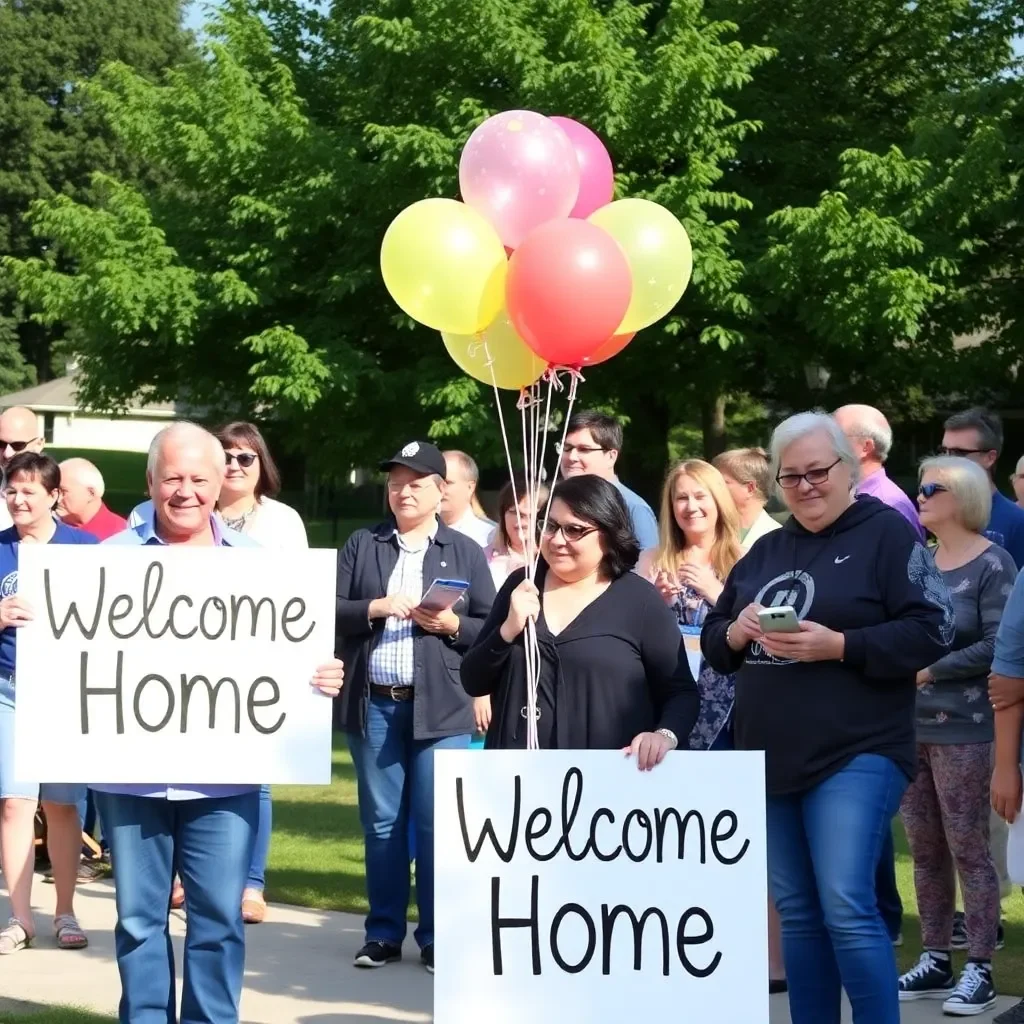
(945, 812)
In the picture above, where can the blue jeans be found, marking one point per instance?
(890, 905)
(209, 844)
(823, 852)
(261, 849)
(395, 776)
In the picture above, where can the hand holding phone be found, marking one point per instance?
(778, 620)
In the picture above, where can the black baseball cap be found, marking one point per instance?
(420, 457)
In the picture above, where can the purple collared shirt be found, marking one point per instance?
(138, 536)
(879, 486)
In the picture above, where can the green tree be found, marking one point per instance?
(51, 138)
(247, 274)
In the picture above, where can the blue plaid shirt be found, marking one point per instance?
(392, 660)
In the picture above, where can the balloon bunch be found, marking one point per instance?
(538, 267)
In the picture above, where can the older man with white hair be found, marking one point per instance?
(870, 437)
(204, 832)
(81, 500)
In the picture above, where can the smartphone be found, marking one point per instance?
(779, 620)
(443, 594)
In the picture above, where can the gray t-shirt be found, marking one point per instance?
(955, 708)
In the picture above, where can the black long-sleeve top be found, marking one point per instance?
(618, 669)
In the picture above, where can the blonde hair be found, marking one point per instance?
(968, 483)
(747, 466)
(726, 550)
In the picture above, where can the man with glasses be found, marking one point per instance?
(19, 432)
(592, 445)
(977, 434)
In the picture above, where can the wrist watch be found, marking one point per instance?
(669, 735)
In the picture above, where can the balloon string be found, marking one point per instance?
(574, 380)
(504, 433)
(531, 647)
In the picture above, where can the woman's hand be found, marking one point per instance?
(649, 749)
(398, 605)
(444, 623)
(666, 585)
(702, 579)
(329, 677)
(1006, 792)
(1003, 691)
(924, 677)
(523, 606)
(814, 642)
(482, 713)
(14, 612)
(746, 629)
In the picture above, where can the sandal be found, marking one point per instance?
(254, 906)
(69, 933)
(14, 937)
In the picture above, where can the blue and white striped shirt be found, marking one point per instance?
(392, 660)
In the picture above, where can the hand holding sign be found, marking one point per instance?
(14, 612)
(329, 677)
(649, 749)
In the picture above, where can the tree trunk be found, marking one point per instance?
(712, 416)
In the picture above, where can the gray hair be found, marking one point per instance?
(467, 462)
(869, 423)
(85, 471)
(184, 430)
(801, 425)
(968, 483)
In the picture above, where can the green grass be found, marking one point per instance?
(30, 1013)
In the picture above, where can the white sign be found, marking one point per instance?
(173, 665)
(571, 888)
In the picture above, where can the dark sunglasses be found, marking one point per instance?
(572, 532)
(962, 453)
(244, 459)
(16, 446)
(930, 490)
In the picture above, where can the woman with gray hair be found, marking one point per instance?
(831, 703)
(946, 808)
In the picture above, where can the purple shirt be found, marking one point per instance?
(879, 486)
(139, 536)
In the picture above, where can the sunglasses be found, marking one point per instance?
(930, 490)
(15, 446)
(962, 453)
(244, 459)
(572, 532)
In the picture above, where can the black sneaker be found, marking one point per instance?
(960, 940)
(1000, 937)
(427, 958)
(931, 978)
(974, 992)
(378, 954)
(1014, 1015)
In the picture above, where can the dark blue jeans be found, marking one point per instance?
(395, 776)
(823, 852)
(890, 906)
(261, 848)
(209, 844)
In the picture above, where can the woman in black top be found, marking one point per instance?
(612, 673)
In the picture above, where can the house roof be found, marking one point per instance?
(60, 395)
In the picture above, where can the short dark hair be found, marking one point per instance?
(597, 501)
(248, 435)
(510, 495)
(35, 466)
(987, 424)
(604, 429)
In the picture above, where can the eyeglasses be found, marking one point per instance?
(930, 490)
(812, 476)
(962, 453)
(572, 532)
(244, 459)
(579, 449)
(17, 446)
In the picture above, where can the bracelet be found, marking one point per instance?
(728, 638)
(669, 735)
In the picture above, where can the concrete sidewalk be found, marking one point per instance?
(298, 970)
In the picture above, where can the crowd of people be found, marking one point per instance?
(899, 689)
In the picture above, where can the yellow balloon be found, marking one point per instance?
(513, 363)
(445, 266)
(659, 255)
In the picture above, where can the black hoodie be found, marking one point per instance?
(868, 577)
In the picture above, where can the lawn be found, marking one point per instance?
(316, 860)
(24, 1014)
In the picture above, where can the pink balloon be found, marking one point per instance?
(519, 170)
(597, 176)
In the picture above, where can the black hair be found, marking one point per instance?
(987, 425)
(604, 429)
(598, 502)
(34, 466)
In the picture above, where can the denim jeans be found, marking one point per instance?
(261, 848)
(890, 906)
(823, 852)
(209, 844)
(395, 776)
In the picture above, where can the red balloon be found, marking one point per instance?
(612, 347)
(568, 288)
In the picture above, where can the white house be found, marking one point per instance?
(64, 424)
